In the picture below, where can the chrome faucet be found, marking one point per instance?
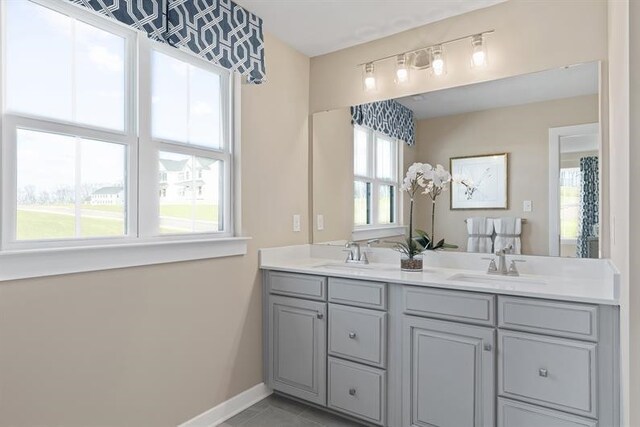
(502, 260)
(355, 254)
(501, 268)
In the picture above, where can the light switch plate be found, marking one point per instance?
(320, 222)
(527, 206)
(296, 222)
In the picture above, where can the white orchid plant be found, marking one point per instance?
(422, 178)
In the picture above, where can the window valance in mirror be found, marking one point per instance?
(219, 31)
(388, 117)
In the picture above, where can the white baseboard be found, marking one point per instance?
(225, 410)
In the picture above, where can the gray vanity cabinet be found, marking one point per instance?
(297, 346)
(447, 374)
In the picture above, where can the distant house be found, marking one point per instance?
(183, 180)
(107, 196)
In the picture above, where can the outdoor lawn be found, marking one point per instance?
(569, 202)
(44, 225)
(58, 221)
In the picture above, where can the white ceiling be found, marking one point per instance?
(316, 27)
(535, 87)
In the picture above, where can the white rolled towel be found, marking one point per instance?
(480, 231)
(508, 231)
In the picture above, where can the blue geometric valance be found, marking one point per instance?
(388, 117)
(219, 31)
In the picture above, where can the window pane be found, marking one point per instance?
(386, 204)
(169, 97)
(64, 69)
(190, 193)
(385, 158)
(569, 202)
(102, 191)
(39, 60)
(360, 152)
(362, 203)
(204, 108)
(100, 61)
(66, 187)
(169, 88)
(187, 103)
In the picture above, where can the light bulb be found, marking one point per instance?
(437, 61)
(479, 54)
(402, 70)
(369, 79)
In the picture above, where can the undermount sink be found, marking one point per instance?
(495, 279)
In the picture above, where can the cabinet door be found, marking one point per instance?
(298, 348)
(447, 374)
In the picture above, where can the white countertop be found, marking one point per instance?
(590, 281)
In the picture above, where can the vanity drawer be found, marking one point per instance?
(518, 414)
(298, 285)
(572, 320)
(357, 390)
(553, 372)
(358, 292)
(459, 306)
(358, 334)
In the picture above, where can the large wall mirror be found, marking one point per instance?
(524, 152)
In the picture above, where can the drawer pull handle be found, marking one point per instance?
(320, 316)
(487, 347)
(352, 335)
(543, 373)
(352, 391)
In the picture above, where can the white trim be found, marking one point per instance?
(222, 412)
(555, 134)
(50, 262)
(378, 232)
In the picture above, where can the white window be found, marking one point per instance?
(375, 189)
(106, 134)
(570, 183)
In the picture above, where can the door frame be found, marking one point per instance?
(555, 135)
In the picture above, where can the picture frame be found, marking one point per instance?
(479, 182)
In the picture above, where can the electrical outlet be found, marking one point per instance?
(320, 222)
(296, 222)
(527, 206)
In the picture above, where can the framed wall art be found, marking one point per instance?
(479, 182)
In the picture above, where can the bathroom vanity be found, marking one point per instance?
(449, 346)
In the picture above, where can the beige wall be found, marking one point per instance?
(332, 144)
(530, 36)
(523, 132)
(155, 346)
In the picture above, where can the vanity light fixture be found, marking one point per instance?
(427, 57)
(402, 69)
(369, 78)
(478, 52)
(437, 60)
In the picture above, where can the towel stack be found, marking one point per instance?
(508, 231)
(481, 232)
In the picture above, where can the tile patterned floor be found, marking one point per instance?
(277, 411)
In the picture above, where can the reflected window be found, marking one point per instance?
(375, 167)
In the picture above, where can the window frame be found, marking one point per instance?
(375, 228)
(141, 242)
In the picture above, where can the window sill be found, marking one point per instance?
(51, 262)
(378, 232)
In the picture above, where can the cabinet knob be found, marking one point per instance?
(487, 347)
(320, 316)
(543, 372)
(352, 391)
(352, 335)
